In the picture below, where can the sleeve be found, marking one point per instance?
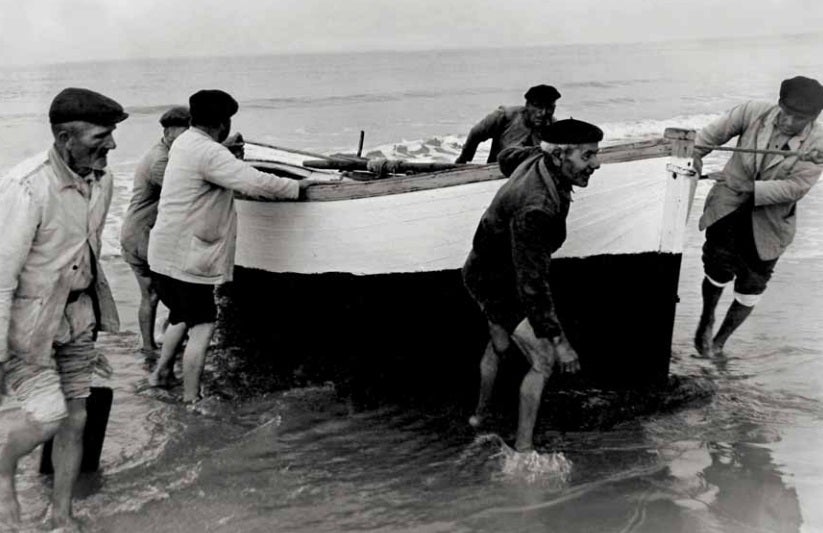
(723, 129)
(483, 130)
(510, 158)
(800, 179)
(532, 247)
(227, 171)
(20, 215)
(158, 170)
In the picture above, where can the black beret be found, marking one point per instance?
(801, 96)
(542, 94)
(211, 106)
(176, 116)
(82, 104)
(571, 131)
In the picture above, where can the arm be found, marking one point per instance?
(20, 215)
(225, 170)
(802, 176)
(723, 129)
(510, 158)
(483, 130)
(531, 232)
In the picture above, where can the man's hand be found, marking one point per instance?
(697, 163)
(815, 156)
(236, 145)
(566, 356)
(101, 366)
(304, 185)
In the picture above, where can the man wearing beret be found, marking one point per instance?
(507, 271)
(191, 247)
(140, 217)
(513, 126)
(54, 297)
(749, 215)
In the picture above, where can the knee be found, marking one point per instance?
(75, 422)
(747, 300)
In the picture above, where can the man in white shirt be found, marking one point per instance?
(191, 247)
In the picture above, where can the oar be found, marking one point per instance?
(292, 150)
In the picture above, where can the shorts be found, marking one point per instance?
(191, 303)
(43, 390)
(730, 253)
(500, 306)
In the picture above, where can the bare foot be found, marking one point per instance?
(67, 524)
(703, 338)
(717, 349)
(9, 508)
(163, 380)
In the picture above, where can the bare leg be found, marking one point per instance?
(194, 359)
(488, 375)
(531, 391)
(24, 434)
(703, 335)
(171, 340)
(147, 313)
(735, 316)
(67, 455)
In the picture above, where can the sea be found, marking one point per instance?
(304, 460)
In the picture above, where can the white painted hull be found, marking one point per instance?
(628, 208)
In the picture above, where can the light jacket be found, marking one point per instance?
(194, 236)
(47, 227)
(775, 185)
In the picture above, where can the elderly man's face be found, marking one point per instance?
(791, 124)
(539, 115)
(579, 163)
(87, 146)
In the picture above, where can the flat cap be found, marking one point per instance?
(542, 94)
(571, 131)
(82, 104)
(801, 96)
(211, 106)
(176, 116)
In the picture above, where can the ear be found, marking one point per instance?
(558, 155)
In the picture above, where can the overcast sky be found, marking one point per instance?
(45, 31)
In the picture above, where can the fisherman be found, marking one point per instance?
(140, 217)
(54, 297)
(191, 247)
(749, 215)
(513, 126)
(507, 271)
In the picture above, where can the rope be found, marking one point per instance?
(814, 155)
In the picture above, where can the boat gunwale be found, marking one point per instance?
(352, 190)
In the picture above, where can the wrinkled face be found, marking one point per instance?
(791, 124)
(539, 115)
(579, 163)
(86, 146)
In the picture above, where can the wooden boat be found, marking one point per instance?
(367, 273)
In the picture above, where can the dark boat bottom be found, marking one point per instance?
(420, 336)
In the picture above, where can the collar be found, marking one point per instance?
(67, 177)
(552, 180)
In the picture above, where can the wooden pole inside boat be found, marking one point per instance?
(360, 144)
(682, 180)
(289, 150)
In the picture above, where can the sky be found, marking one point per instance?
(54, 31)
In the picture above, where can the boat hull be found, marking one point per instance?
(374, 283)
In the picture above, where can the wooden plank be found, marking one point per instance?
(477, 173)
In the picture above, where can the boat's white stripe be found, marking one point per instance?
(621, 212)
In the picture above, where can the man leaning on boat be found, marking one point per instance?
(513, 126)
(191, 247)
(749, 215)
(507, 271)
